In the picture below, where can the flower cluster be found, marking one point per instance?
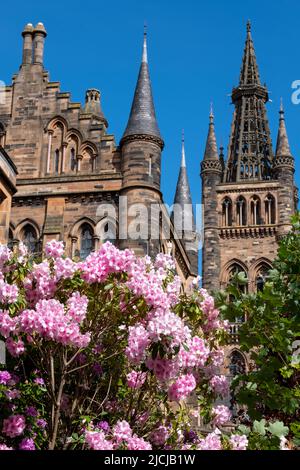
(121, 436)
(136, 379)
(182, 387)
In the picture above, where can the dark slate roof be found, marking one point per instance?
(183, 192)
(283, 146)
(211, 149)
(142, 119)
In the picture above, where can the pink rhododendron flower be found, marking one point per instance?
(220, 385)
(4, 377)
(77, 306)
(168, 325)
(138, 340)
(54, 249)
(96, 440)
(221, 415)
(5, 447)
(8, 292)
(211, 442)
(196, 355)
(137, 443)
(15, 348)
(182, 388)
(27, 444)
(159, 436)
(122, 431)
(7, 323)
(238, 442)
(14, 425)
(136, 379)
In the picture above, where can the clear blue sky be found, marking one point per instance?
(195, 50)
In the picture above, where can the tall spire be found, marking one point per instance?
(142, 118)
(211, 149)
(183, 192)
(282, 146)
(249, 72)
(250, 151)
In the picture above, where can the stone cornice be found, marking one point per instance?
(143, 138)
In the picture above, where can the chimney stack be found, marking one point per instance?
(39, 34)
(27, 44)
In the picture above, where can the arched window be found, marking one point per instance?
(237, 364)
(86, 241)
(2, 135)
(241, 211)
(73, 162)
(236, 269)
(261, 276)
(255, 211)
(56, 161)
(227, 212)
(29, 238)
(270, 211)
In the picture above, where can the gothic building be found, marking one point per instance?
(249, 199)
(63, 176)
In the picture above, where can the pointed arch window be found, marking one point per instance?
(227, 212)
(30, 239)
(255, 211)
(56, 161)
(261, 276)
(241, 211)
(234, 269)
(237, 364)
(86, 241)
(270, 211)
(73, 162)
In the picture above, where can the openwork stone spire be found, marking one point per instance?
(249, 72)
(142, 118)
(250, 151)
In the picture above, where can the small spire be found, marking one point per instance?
(248, 26)
(211, 149)
(183, 164)
(282, 146)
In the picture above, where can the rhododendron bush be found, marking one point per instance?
(106, 354)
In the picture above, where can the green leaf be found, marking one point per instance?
(278, 429)
(259, 427)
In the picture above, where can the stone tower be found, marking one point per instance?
(141, 147)
(248, 201)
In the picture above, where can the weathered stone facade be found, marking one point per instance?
(69, 166)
